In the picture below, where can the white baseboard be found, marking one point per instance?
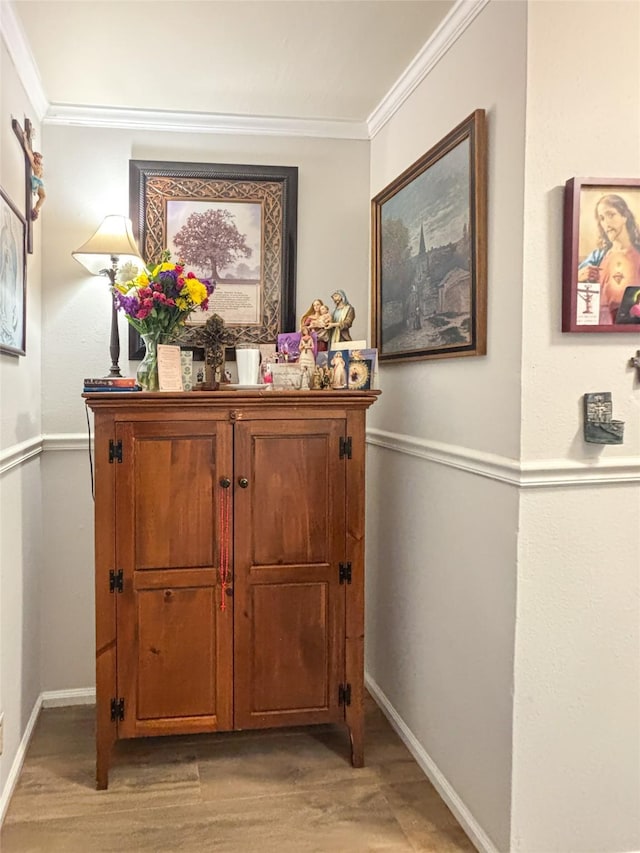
(473, 829)
(18, 761)
(62, 698)
(48, 699)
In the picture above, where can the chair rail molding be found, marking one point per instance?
(18, 454)
(66, 441)
(524, 474)
(542, 473)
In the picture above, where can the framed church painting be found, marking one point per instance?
(601, 263)
(430, 252)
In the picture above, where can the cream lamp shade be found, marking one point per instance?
(112, 241)
(110, 248)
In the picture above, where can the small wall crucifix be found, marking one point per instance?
(33, 184)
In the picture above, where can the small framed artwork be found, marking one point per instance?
(13, 277)
(601, 261)
(430, 252)
(234, 225)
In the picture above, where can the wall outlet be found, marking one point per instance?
(1, 732)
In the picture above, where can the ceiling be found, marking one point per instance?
(304, 59)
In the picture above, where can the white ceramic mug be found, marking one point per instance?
(248, 361)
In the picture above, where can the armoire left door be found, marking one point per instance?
(174, 624)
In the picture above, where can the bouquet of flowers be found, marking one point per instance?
(158, 301)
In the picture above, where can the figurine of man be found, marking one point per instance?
(37, 182)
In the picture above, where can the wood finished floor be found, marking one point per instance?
(290, 791)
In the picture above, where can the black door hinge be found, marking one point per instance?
(115, 450)
(345, 572)
(116, 581)
(117, 709)
(344, 694)
(345, 447)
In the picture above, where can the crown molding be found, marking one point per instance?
(20, 52)
(543, 473)
(187, 122)
(451, 28)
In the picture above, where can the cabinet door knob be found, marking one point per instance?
(243, 482)
(225, 482)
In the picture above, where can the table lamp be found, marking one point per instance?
(109, 249)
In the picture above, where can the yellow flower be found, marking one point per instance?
(166, 267)
(182, 303)
(141, 281)
(194, 290)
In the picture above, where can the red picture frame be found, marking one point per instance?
(601, 261)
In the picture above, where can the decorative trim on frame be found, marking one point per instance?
(462, 14)
(451, 797)
(550, 473)
(188, 122)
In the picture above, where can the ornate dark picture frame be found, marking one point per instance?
(430, 252)
(601, 260)
(13, 278)
(272, 190)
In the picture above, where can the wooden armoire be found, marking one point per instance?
(229, 562)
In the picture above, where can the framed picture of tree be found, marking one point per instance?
(235, 225)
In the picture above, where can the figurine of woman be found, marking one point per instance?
(339, 371)
(317, 318)
(342, 319)
(307, 356)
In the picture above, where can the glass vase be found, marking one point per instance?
(147, 373)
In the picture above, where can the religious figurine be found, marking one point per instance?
(212, 337)
(37, 182)
(339, 370)
(342, 318)
(307, 357)
(599, 426)
(318, 319)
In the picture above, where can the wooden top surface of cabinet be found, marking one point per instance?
(267, 483)
(265, 401)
